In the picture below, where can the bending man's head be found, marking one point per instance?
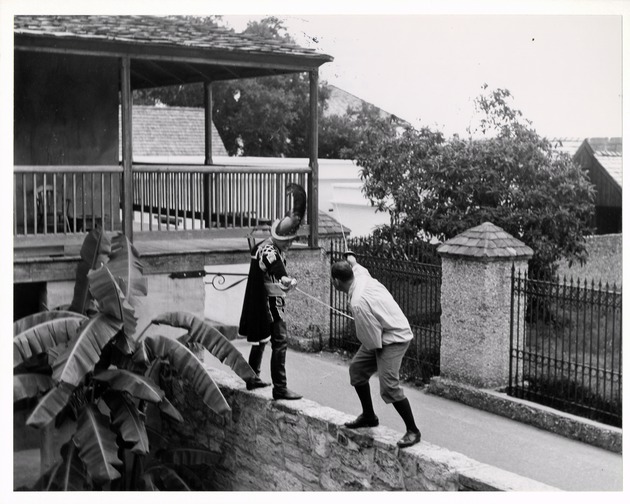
(342, 275)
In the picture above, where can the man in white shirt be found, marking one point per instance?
(385, 334)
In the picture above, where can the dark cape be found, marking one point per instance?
(254, 321)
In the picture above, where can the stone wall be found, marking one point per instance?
(604, 261)
(303, 446)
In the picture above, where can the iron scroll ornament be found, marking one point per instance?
(217, 281)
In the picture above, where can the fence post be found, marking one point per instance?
(476, 297)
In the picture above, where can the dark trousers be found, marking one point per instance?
(278, 354)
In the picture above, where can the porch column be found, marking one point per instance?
(476, 295)
(313, 177)
(207, 180)
(127, 154)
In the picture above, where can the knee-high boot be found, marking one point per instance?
(255, 357)
(278, 359)
(255, 360)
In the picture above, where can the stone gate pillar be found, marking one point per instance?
(476, 293)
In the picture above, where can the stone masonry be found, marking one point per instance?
(476, 294)
(302, 446)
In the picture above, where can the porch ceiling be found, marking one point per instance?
(165, 50)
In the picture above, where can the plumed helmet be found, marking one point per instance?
(287, 227)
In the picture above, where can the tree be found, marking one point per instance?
(341, 135)
(509, 176)
(263, 116)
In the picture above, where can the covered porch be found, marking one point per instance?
(72, 76)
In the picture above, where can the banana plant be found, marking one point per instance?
(87, 366)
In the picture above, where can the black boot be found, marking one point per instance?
(368, 418)
(255, 360)
(278, 358)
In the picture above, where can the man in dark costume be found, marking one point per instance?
(262, 318)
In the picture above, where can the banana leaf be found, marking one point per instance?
(167, 478)
(84, 349)
(126, 267)
(97, 445)
(165, 406)
(211, 339)
(190, 368)
(111, 299)
(95, 251)
(30, 385)
(126, 418)
(67, 475)
(132, 383)
(50, 405)
(42, 337)
(19, 326)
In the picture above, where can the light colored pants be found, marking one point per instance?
(386, 361)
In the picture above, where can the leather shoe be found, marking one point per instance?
(362, 421)
(285, 394)
(255, 383)
(410, 438)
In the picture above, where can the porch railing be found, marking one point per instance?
(56, 201)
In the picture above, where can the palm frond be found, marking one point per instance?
(94, 252)
(21, 325)
(30, 385)
(132, 383)
(41, 337)
(50, 405)
(111, 299)
(211, 339)
(84, 349)
(190, 368)
(97, 445)
(126, 267)
(126, 418)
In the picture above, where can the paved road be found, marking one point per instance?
(488, 438)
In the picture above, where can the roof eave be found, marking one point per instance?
(147, 50)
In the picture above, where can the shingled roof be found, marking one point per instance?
(172, 131)
(155, 30)
(485, 242)
(166, 50)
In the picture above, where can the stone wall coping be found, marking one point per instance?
(546, 418)
(466, 473)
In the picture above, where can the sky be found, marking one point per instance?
(564, 72)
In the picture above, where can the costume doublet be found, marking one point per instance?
(264, 299)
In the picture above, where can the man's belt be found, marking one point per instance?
(274, 290)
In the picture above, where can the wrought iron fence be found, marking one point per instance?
(566, 346)
(415, 286)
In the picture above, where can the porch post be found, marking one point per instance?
(207, 102)
(127, 154)
(313, 177)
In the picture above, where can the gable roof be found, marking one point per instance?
(172, 131)
(339, 101)
(607, 152)
(165, 50)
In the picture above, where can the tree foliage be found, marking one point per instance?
(509, 176)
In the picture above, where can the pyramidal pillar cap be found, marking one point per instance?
(486, 242)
